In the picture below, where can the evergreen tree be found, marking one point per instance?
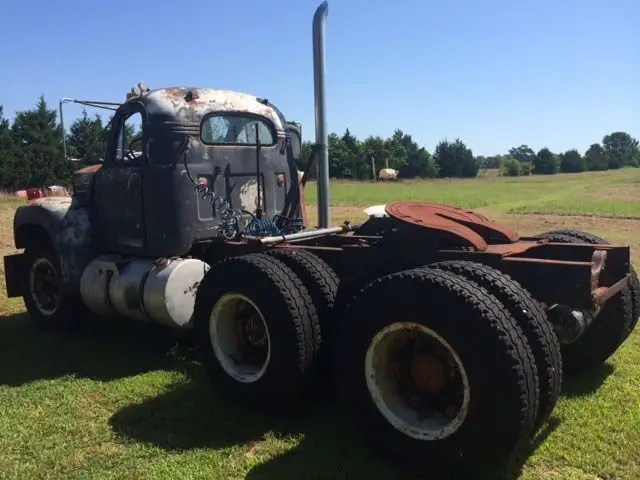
(14, 174)
(455, 159)
(38, 138)
(545, 162)
(572, 162)
(596, 158)
(86, 138)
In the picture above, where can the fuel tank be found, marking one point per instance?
(149, 290)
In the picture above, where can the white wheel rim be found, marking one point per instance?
(383, 385)
(225, 322)
(35, 287)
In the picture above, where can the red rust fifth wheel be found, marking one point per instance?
(445, 334)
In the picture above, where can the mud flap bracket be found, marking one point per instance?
(603, 294)
(14, 275)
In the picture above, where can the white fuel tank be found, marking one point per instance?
(143, 289)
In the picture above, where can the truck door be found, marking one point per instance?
(118, 185)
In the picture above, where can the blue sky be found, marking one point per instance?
(495, 73)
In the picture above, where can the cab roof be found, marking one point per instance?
(190, 104)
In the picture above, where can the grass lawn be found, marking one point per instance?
(125, 400)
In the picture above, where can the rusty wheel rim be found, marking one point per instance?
(417, 381)
(44, 286)
(240, 338)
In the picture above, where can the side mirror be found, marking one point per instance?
(294, 135)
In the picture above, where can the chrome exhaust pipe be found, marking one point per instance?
(322, 136)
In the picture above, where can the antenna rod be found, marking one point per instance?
(89, 103)
(64, 137)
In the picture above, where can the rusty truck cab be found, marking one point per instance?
(146, 195)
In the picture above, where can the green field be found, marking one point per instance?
(602, 193)
(128, 401)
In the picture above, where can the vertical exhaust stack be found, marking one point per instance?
(322, 137)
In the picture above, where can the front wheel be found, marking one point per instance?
(49, 308)
(446, 383)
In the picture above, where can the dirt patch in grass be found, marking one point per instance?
(338, 214)
(620, 193)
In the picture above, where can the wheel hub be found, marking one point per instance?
(428, 373)
(44, 286)
(240, 338)
(252, 338)
(417, 381)
(253, 330)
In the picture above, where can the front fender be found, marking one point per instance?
(69, 228)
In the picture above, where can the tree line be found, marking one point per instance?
(31, 153)
(356, 159)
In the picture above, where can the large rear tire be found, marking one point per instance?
(319, 278)
(258, 331)
(323, 283)
(460, 360)
(529, 315)
(608, 330)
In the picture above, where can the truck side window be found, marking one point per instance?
(131, 147)
(236, 130)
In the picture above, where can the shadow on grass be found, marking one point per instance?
(193, 415)
(514, 469)
(107, 350)
(586, 383)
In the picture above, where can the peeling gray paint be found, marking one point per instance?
(190, 104)
(248, 195)
(69, 228)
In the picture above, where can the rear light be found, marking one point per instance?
(282, 179)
